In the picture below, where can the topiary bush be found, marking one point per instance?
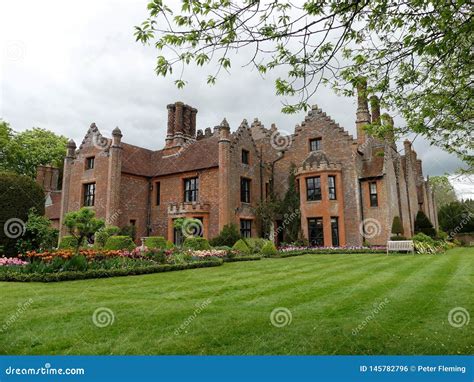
(119, 242)
(19, 194)
(68, 242)
(423, 225)
(269, 249)
(255, 244)
(227, 237)
(242, 247)
(196, 243)
(397, 227)
(156, 242)
(101, 236)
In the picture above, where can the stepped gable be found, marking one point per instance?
(94, 137)
(243, 130)
(318, 113)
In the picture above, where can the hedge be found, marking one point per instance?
(119, 242)
(241, 246)
(158, 242)
(196, 243)
(282, 254)
(68, 242)
(241, 258)
(103, 273)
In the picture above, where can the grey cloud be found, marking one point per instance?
(94, 71)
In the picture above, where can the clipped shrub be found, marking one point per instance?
(227, 237)
(242, 247)
(269, 249)
(397, 227)
(101, 236)
(196, 243)
(423, 225)
(255, 244)
(68, 242)
(119, 242)
(156, 242)
(169, 244)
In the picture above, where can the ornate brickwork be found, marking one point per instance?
(219, 177)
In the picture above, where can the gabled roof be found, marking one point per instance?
(197, 155)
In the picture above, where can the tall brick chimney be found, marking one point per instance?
(47, 177)
(181, 125)
(224, 174)
(362, 114)
(375, 109)
(114, 174)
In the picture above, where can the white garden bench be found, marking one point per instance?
(400, 245)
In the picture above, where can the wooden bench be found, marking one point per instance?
(400, 245)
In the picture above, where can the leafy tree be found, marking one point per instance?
(22, 152)
(82, 224)
(397, 227)
(443, 190)
(38, 235)
(457, 217)
(418, 54)
(19, 194)
(423, 225)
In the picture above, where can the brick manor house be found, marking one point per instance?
(219, 176)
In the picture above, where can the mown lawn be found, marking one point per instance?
(400, 305)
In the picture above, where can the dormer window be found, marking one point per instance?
(90, 163)
(245, 156)
(315, 144)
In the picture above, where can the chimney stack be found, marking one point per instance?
(181, 124)
(362, 114)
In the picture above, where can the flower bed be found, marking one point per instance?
(11, 261)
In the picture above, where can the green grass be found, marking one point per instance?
(329, 296)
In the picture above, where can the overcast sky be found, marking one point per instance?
(67, 64)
